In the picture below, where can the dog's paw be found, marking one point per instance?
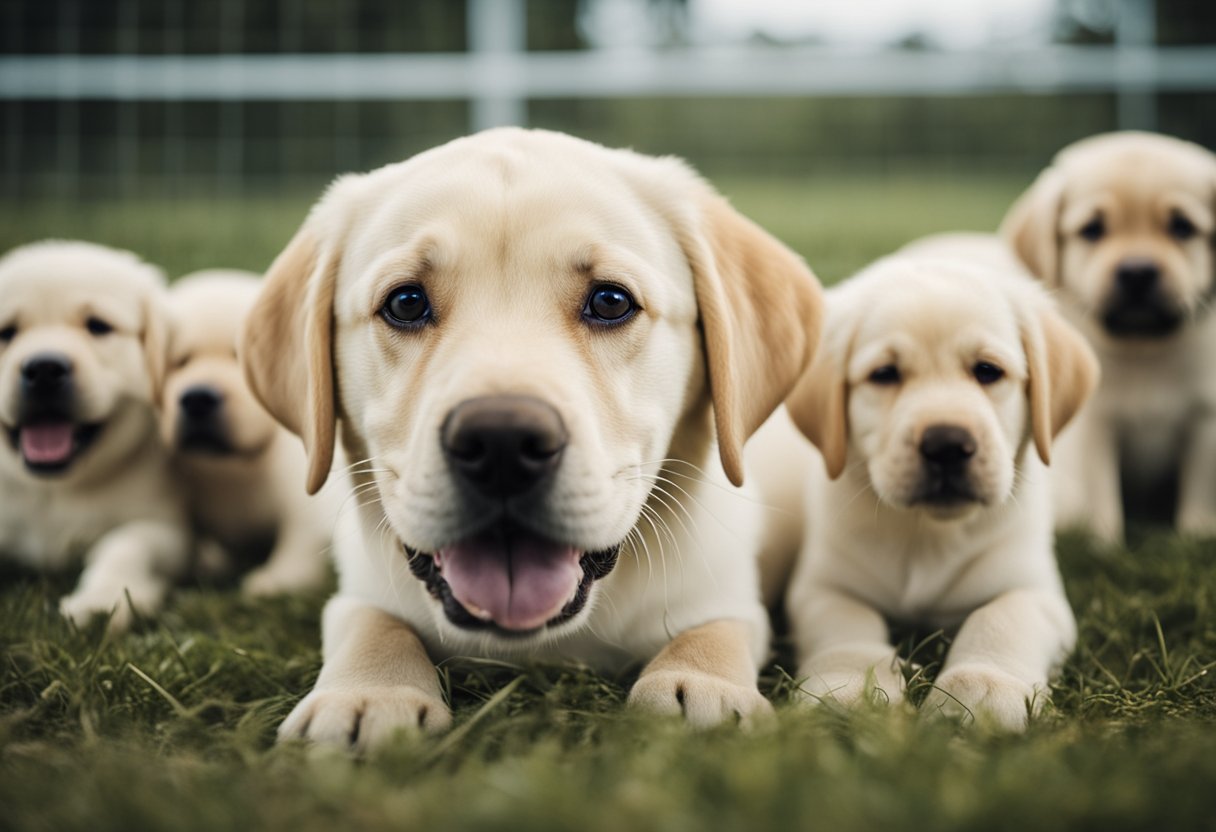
(986, 695)
(268, 581)
(85, 604)
(851, 677)
(702, 700)
(365, 718)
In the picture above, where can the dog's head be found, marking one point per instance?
(932, 377)
(207, 410)
(512, 330)
(82, 343)
(1123, 225)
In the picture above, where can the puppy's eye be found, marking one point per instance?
(8, 333)
(97, 326)
(885, 375)
(407, 306)
(1093, 230)
(608, 304)
(1180, 228)
(987, 373)
(182, 361)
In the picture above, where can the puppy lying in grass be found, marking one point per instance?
(1121, 228)
(243, 474)
(83, 474)
(528, 342)
(934, 398)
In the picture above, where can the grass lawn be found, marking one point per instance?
(171, 726)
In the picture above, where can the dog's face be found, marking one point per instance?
(1123, 224)
(516, 349)
(931, 379)
(81, 356)
(207, 409)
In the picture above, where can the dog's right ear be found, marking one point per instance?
(819, 407)
(287, 347)
(1031, 228)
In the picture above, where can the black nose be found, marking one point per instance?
(503, 446)
(949, 446)
(46, 372)
(200, 402)
(1137, 276)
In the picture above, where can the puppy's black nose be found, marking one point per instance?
(200, 402)
(949, 446)
(503, 446)
(1137, 276)
(46, 372)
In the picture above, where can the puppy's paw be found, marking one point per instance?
(985, 695)
(365, 718)
(85, 604)
(702, 700)
(852, 676)
(270, 580)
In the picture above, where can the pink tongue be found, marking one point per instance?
(47, 444)
(519, 581)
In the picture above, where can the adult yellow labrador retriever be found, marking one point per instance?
(934, 399)
(1121, 227)
(528, 344)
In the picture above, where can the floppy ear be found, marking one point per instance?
(761, 310)
(1063, 374)
(287, 348)
(819, 407)
(1031, 228)
(156, 342)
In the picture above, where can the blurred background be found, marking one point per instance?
(197, 133)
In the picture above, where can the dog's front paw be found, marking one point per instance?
(273, 579)
(85, 604)
(702, 700)
(363, 719)
(853, 675)
(986, 695)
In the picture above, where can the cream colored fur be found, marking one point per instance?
(117, 507)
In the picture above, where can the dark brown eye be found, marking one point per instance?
(1180, 228)
(407, 306)
(885, 375)
(97, 326)
(987, 373)
(1093, 230)
(8, 333)
(609, 304)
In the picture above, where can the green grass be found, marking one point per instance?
(171, 726)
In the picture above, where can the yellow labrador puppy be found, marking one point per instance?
(1121, 228)
(529, 342)
(934, 398)
(242, 472)
(82, 470)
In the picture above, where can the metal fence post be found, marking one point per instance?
(497, 32)
(1136, 39)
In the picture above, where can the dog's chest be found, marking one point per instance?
(46, 530)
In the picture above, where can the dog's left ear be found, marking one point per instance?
(761, 309)
(1063, 373)
(155, 338)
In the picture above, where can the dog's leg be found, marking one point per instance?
(376, 681)
(844, 649)
(296, 564)
(998, 669)
(1197, 485)
(1085, 480)
(133, 565)
(707, 674)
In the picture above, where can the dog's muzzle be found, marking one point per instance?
(201, 427)
(47, 435)
(1138, 307)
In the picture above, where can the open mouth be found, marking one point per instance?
(50, 446)
(510, 580)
